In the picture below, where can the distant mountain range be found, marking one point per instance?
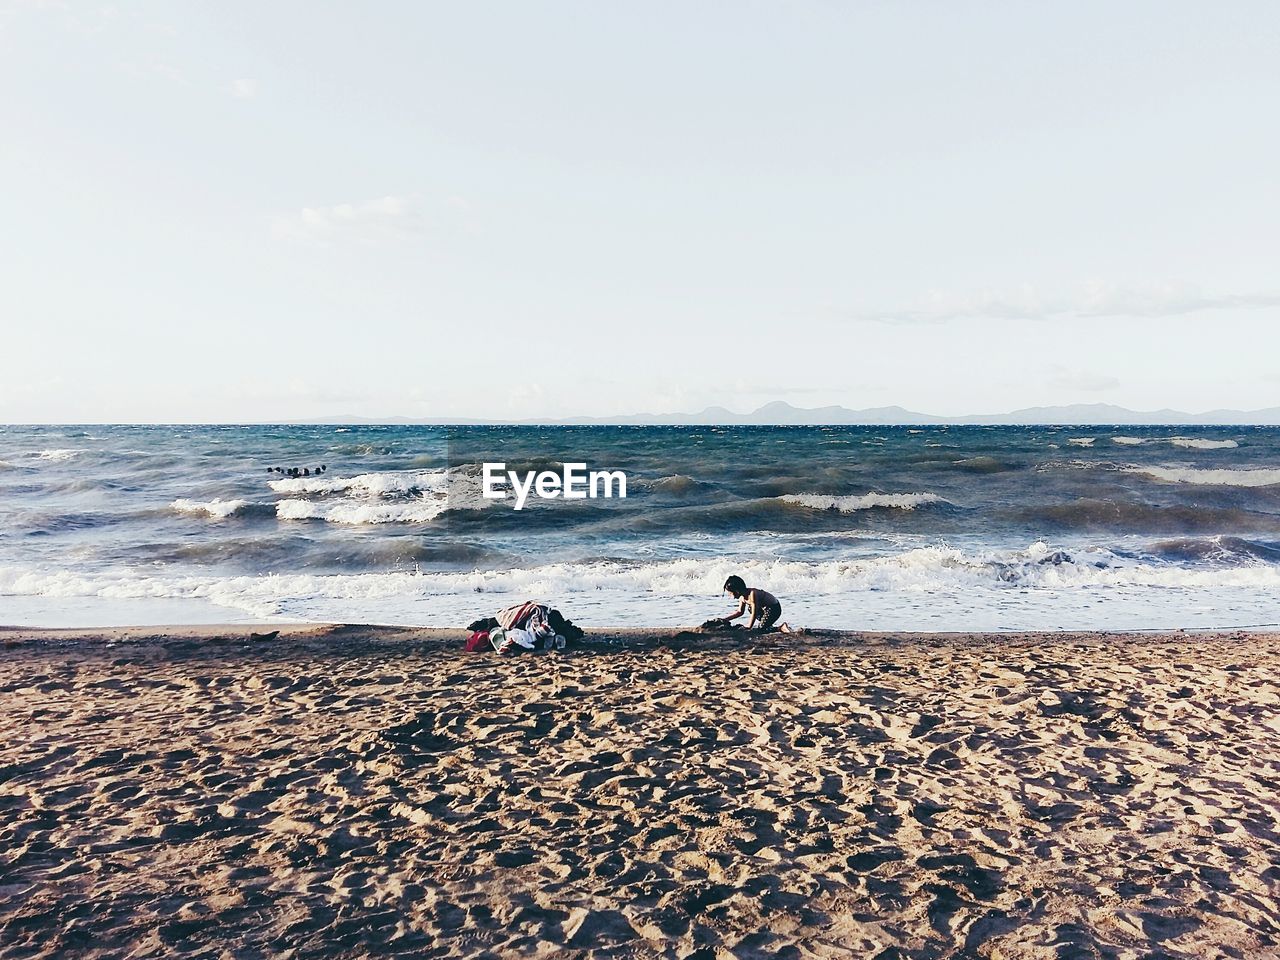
(782, 413)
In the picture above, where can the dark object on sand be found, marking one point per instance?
(566, 628)
(264, 636)
(718, 625)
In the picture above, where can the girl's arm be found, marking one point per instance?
(742, 606)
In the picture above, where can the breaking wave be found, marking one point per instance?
(387, 483)
(393, 496)
(1197, 443)
(868, 501)
(918, 571)
(354, 512)
(1256, 477)
(1187, 443)
(1215, 550)
(216, 507)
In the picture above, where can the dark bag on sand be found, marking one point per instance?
(571, 632)
(485, 623)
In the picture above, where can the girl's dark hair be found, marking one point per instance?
(735, 586)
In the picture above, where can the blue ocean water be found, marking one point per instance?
(896, 528)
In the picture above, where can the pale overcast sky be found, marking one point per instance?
(285, 210)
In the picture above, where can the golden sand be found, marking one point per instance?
(340, 792)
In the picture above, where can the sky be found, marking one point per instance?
(259, 211)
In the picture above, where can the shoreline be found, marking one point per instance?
(233, 631)
(346, 790)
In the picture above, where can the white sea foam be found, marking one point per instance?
(354, 512)
(217, 507)
(1199, 443)
(394, 496)
(867, 501)
(993, 587)
(58, 456)
(1189, 443)
(1259, 477)
(386, 483)
(1081, 441)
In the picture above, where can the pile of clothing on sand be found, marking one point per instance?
(523, 628)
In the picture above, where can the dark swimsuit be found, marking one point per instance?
(769, 616)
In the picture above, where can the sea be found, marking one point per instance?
(933, 528)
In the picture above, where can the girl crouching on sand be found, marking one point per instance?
(764, 607)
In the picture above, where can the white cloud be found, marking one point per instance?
(1026, 302)
(387, 218)
(246, 88)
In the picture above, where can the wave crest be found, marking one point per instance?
(1220, 549)
(386, 483)
(1200, 443)
(868, 501)
(918, 570)
(1253, 477)
(357, 512)
(217, 507)
(1187, 443)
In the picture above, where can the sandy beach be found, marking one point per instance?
(355, 791)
